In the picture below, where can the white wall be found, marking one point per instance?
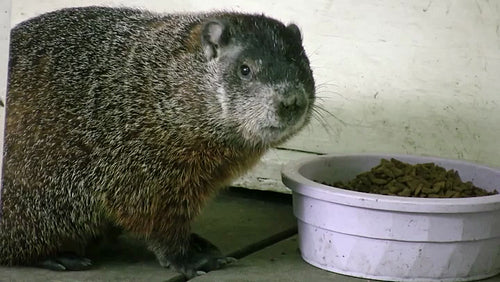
(418, 77)
(4, 51)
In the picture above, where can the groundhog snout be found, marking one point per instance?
(292, 106)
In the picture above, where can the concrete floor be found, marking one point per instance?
(256, 227)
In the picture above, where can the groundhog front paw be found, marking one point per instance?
(201, 257)
(66, 261)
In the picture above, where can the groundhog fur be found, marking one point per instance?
(137, 118)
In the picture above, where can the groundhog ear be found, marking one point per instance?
(213, 37)
(294, 29)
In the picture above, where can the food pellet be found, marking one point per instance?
(427, 180)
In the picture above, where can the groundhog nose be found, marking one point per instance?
(292, 106)
(294, 99)
(291, 103)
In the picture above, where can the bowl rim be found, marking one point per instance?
(307, 187)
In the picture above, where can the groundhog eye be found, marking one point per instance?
(245, 70)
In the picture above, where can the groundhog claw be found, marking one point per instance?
(200, 272)
(66, 261)
(225, 261)
(201, 258)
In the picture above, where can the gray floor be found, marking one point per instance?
(256, 227)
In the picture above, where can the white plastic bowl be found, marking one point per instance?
(390, 237)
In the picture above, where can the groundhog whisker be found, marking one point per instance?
(318, 115)
(318, 109)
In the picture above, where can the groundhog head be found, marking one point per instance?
(265, 86)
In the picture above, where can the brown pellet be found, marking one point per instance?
(394, 177)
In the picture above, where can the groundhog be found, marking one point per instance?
(127, 116)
